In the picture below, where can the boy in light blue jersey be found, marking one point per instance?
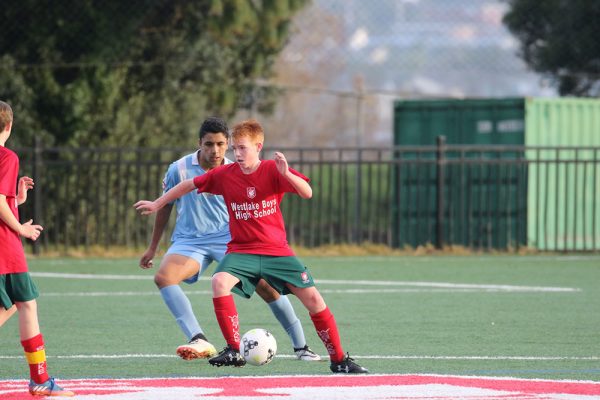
(200, 237)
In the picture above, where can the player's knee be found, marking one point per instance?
(217, 283)
(221, 284)
(316, 304)
(312, 299)
(161, 280)
(26, 306)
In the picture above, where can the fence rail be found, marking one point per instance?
(480, 197)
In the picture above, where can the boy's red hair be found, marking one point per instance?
(250, 128)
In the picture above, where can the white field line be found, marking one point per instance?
(108, 277)
(374, 357)
(429, 285)
(325, 291)
(411, 259)
(447, 285)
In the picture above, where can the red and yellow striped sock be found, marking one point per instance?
(36, 358)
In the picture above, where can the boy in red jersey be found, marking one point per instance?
(253, 190)
(16, 286)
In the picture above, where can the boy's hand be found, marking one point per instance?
(30, 231)
(281, 163)
(25, 184)
(146, 260)
(146, 207)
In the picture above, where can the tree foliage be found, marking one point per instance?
(559, 38)
(136, 73)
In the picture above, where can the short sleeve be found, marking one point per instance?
(171, 178)
(285, 185)
(207, 182)
(9, 171)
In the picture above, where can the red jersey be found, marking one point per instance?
(12, 256)
(252, 200)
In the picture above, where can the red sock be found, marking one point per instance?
(327, 330)
(227, 317)
(36, 358)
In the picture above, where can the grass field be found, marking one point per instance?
(517, 316)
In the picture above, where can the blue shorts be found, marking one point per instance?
(203, 253)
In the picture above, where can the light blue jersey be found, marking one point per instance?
(201, 218)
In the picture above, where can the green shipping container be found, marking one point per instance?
(485, 204)
(551, 202)
(481, 121)
(564, 186)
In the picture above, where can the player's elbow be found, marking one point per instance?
(307, 193)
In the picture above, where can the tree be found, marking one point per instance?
(140, 73)
(559, 38)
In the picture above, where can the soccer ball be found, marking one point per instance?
(258, 347)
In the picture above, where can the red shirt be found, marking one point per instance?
(12, 256)
(252, 200)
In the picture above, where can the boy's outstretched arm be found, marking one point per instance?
(148, 207)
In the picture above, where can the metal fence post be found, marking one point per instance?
(440, 170)
(357, 239)
(37, 194)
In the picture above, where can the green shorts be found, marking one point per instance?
(277, 271)
(16, 287)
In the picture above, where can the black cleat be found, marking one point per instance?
(228, 356)
(347, 366)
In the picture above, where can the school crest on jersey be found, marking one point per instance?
(251, 192)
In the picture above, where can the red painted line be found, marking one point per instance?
(255, 386)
